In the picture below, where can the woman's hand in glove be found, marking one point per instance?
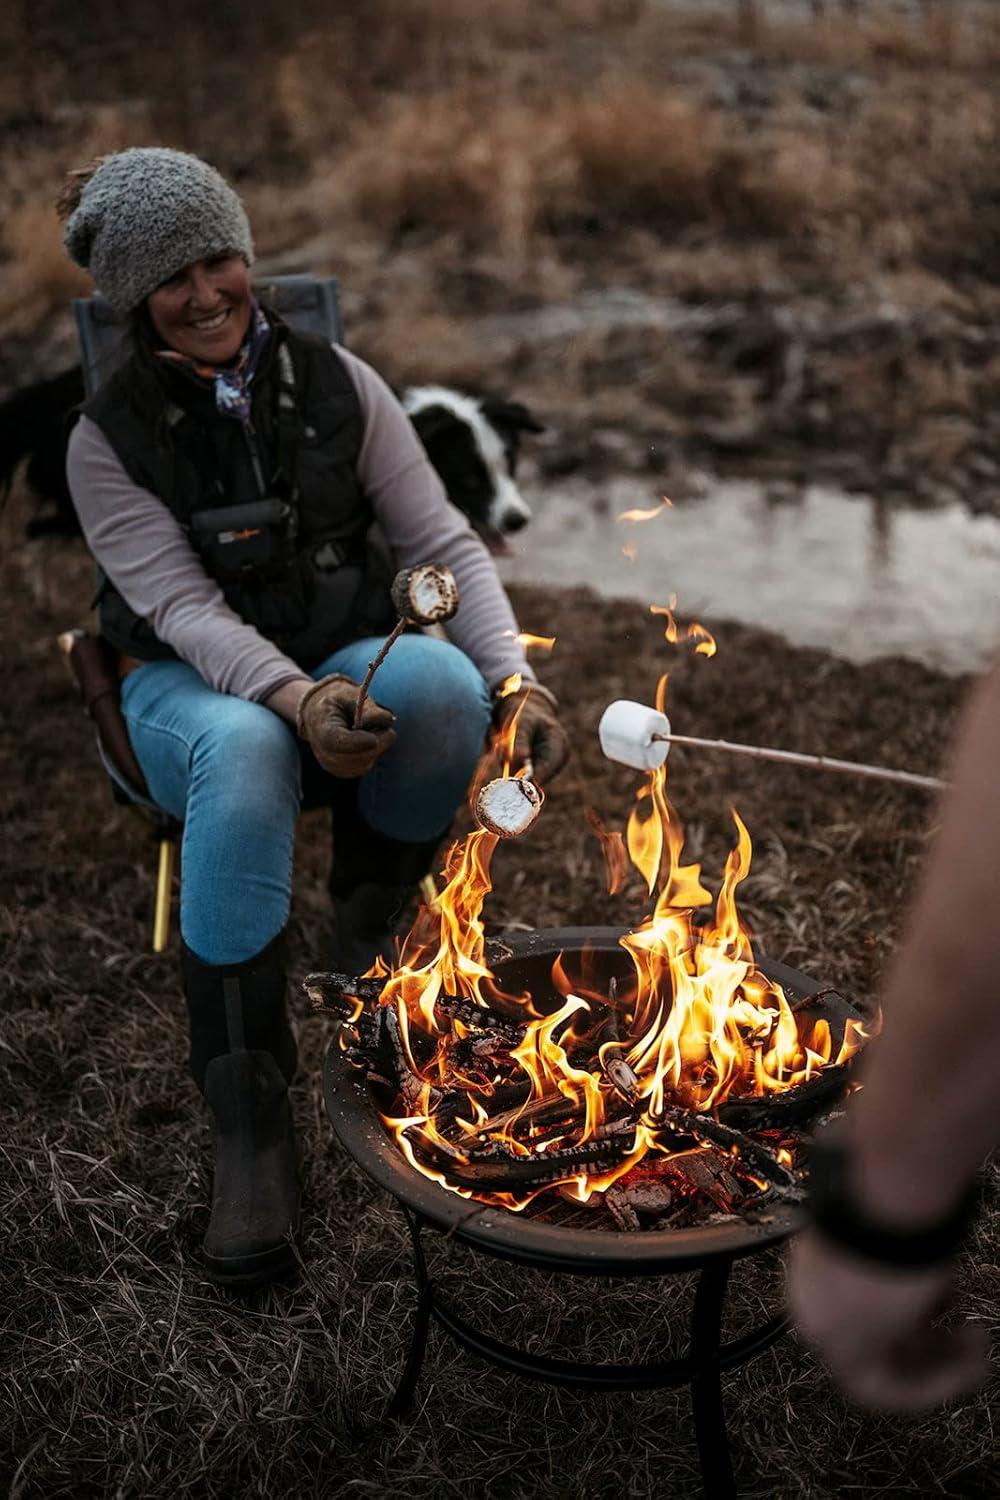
(539, 738)
(325, 721)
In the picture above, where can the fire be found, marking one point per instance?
(693, 632)
(646, 515)
(536, 642)
(613, 849)
(543, 1083)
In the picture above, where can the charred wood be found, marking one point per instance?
(686, 1123)
(497, 1170)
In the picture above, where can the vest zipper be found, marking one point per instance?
(251, 439)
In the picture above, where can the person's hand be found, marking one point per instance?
(873, 1326)
(539, 739)
(326, 722)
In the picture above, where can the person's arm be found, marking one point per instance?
(929, 1111)
(422, 525)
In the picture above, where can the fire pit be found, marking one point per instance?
(549, 1234)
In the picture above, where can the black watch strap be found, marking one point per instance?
(839, 1217)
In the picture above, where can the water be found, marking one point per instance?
(842, 572)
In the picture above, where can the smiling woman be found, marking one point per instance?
(249, 492)
(203, 310)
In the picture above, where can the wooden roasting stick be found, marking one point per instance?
(641, 737)
(425, 595)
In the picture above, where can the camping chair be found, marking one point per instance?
(310, 304)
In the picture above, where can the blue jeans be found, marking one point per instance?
(231, 771)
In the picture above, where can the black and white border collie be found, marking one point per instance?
(472, 441)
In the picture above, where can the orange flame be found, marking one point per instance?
(529, 641)
(646, 515)
(613, 849)
(694, 632)
(698, 1022)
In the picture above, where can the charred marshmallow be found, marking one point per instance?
(508, 806)
(634, 734)
(425, 595)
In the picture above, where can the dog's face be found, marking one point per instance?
(473, 443)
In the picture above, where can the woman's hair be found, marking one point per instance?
(148, 376)
(68, 197)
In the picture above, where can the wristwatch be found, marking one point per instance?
(840, 1218)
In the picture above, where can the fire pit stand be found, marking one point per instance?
(708, 1249)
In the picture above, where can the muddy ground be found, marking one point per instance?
(126, 1373)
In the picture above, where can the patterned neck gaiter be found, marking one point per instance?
(231, 384)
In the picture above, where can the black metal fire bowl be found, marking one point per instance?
(523, 962)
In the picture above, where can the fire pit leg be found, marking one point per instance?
(402, 1398)
(706, 1387)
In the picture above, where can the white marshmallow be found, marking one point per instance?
(626, 733)
(508, 805)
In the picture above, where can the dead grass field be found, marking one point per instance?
(826, 188)
(125, 1373)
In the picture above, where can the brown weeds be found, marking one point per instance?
(124, 1372)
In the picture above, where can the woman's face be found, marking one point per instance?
(203, 311)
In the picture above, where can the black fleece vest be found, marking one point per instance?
(273, 507)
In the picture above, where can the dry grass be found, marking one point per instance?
(125, 1373)
(449, 171)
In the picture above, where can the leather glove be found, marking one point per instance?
(325, 721)
(539, 738)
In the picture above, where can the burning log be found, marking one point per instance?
(799, 1102)
(621, 1077)
(707, 1176)
(334, 992)
(682, 1123)
(498, 1170)
(621, 1210)
(411, 1087)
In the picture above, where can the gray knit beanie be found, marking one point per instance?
(148, 212)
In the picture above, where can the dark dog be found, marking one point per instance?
(35, 424)
(471, 441)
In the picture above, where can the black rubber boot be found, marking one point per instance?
(367, 918)
(243, 1059)
(372, 881)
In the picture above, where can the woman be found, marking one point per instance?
(248, 493)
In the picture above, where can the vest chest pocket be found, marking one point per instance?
(238, 540)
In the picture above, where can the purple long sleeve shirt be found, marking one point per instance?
(146, 554)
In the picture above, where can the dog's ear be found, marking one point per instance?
(510, 414)
(433, 422)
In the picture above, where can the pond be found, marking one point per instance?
(848, 573)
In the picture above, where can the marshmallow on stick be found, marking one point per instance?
(424, 595)
(641, 737)
(508, 806)
(634, 734)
